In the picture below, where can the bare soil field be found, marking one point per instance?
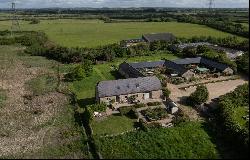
(30, 123)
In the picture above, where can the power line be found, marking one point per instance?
(210, 4)
(15, 26)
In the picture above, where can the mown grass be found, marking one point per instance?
(239, 112)
(92, 33)
(112, 125)
(188, 141)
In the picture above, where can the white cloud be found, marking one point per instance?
(124, 3)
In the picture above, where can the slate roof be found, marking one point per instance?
(158, 37)
(201, 60)
(176, 67)
(131, 71)
(185, 61)
(214, 64)
(154, 64)
(128, 86)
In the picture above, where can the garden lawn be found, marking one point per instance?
(239, 112)
(93, 33)
(188, 141)
(113, 125)
(85, 89)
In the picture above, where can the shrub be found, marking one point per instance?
(35, 21)
(80, 71)
(125, 109)
(98, 107)
(166, 92)
(230, 117)
(133, 114)
(199, 96)
(154, 103)
(139, 105)
(155, 114)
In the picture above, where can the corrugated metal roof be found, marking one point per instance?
(158, 37)
(128, 86)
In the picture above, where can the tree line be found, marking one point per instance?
(38, 44)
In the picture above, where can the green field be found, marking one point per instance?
(186, 141)
(92, 33)
(85, 89)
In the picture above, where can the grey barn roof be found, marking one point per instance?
(201, 60)
(131, 71)
(154, 64)
(214, 64)
(158, 37)
(185, 61)
(128, 86)
(176, 67)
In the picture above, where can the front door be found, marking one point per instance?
(118, 99)
(146, 95)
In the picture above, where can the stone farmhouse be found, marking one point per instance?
(148, 38)
(131, 90)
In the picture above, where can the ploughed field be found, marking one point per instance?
(93, 33)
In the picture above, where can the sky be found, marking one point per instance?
(124, 3)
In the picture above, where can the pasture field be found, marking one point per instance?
(186, 141)
(93, 33)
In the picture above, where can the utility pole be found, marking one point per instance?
(15, 26)
(210, 5)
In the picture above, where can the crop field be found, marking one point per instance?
(186, 141)
(93, 33)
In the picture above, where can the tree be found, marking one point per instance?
(199, 96)
(88, 67)
(77, 73)
(166, 92)
(190, 51)
(243, 63)
(202, 49)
